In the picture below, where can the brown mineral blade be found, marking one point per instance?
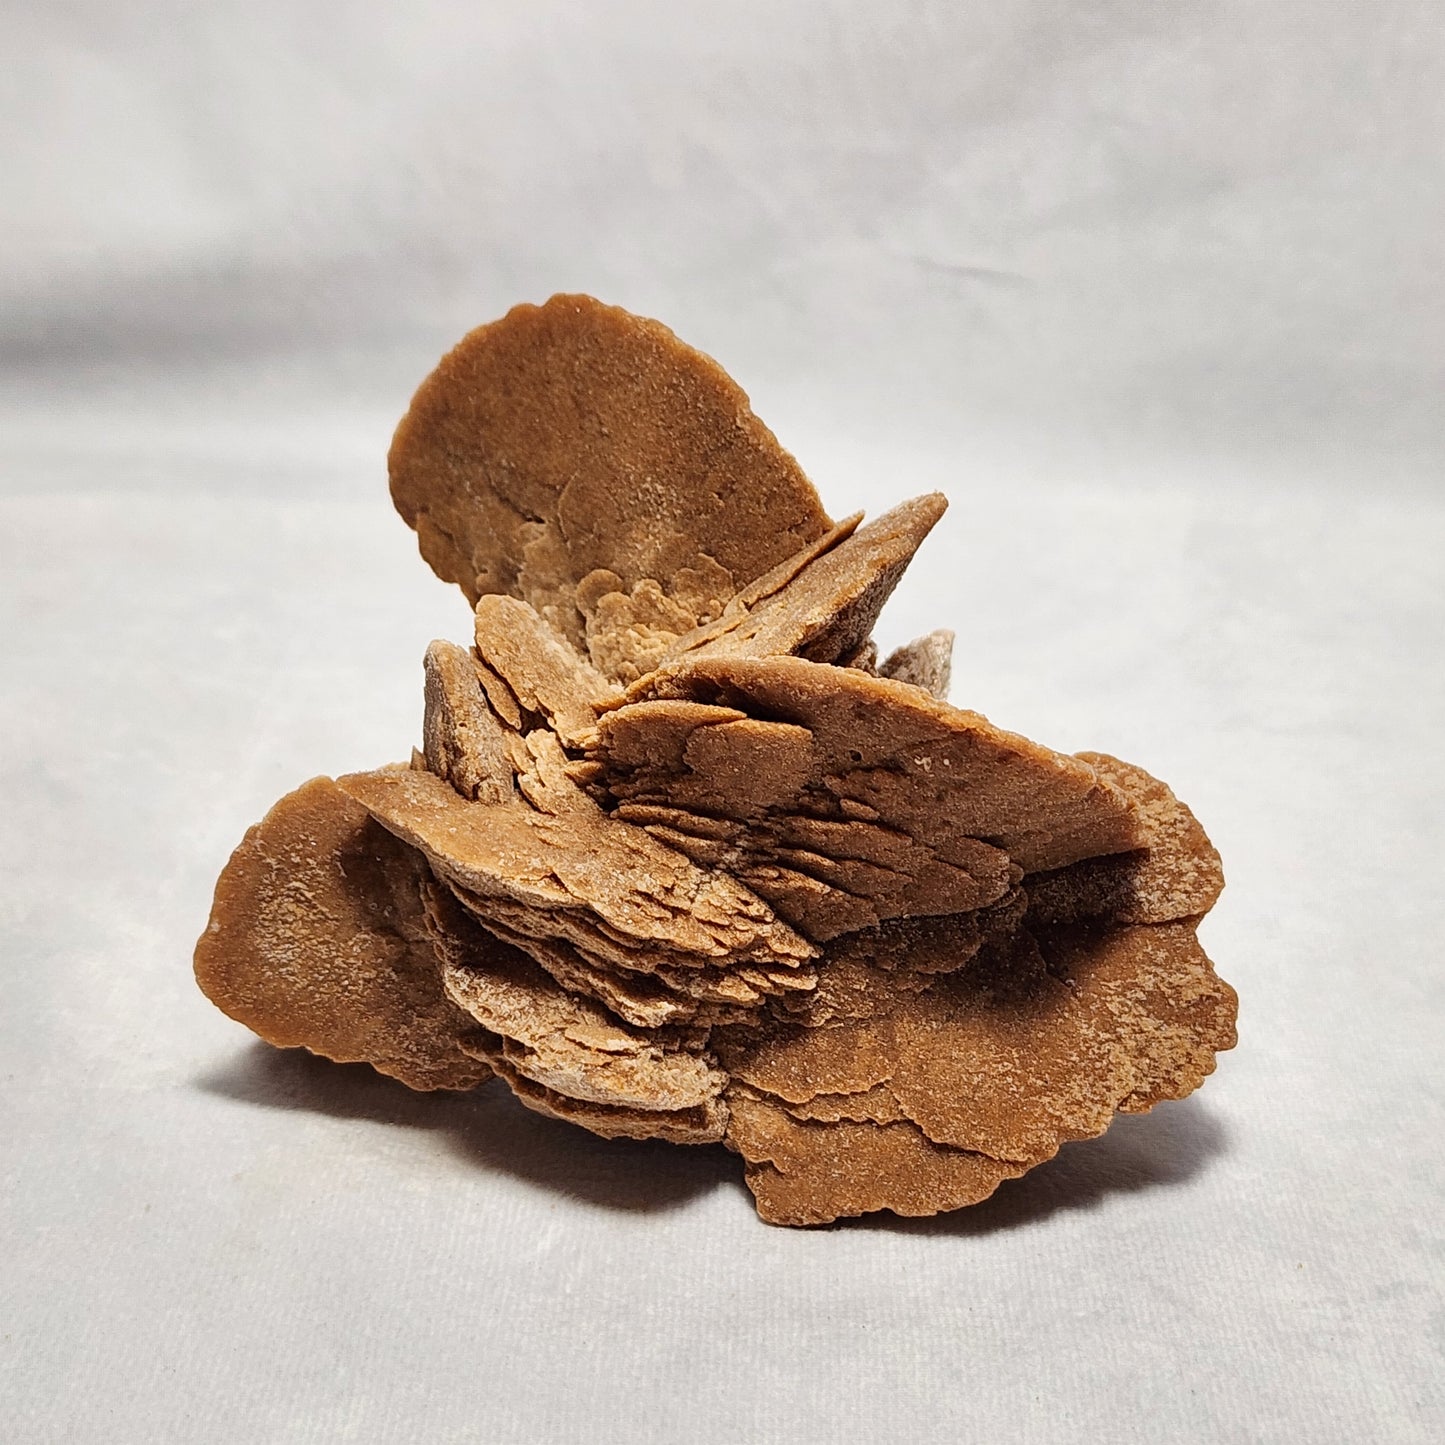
(810, 1172)
(464, 740)
(580, 953)
(869, 1106)
(629, 631)
(778, 577)
(793, 1063)
(544, 778)
(1155, 981)
(662, 905)
(500, 697)
(926, 662)
(864, 658)
(640, 999)
(1175, 875)
(1012, 1058)
(826, 610)
(568, 1043)
(865, 974)
(558, 1041)
(572, 437)
(705, 1124)
(850, 798)
(318, 939)
(1032, 1045)
(543, 670)
(773, 892)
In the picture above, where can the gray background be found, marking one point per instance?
(1154, 291)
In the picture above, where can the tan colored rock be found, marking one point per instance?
(1015, 1055)
(574, 1046)
(706, 1124)
(1175, 875)
(678, 858)
(317, 939)
(821, 606)
(813, 1172)
(779, 576)
(464, 741)
(1032, 1045)
(644, 895)
(559, 1038)
(867, 1106)
(638, 988)
(926, 662)
(629, 632)
(845, 799)
(573, 437)
(641, 999)
(541, 669)
(864, 658)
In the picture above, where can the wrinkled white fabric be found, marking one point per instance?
(1152, 291)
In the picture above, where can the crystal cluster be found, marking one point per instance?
(680, 856)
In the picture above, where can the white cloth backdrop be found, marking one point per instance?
(1154, 291)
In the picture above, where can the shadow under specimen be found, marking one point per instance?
(489, 1127)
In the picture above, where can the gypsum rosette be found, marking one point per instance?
(680, 857)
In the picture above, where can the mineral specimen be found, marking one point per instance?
(679, 858)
